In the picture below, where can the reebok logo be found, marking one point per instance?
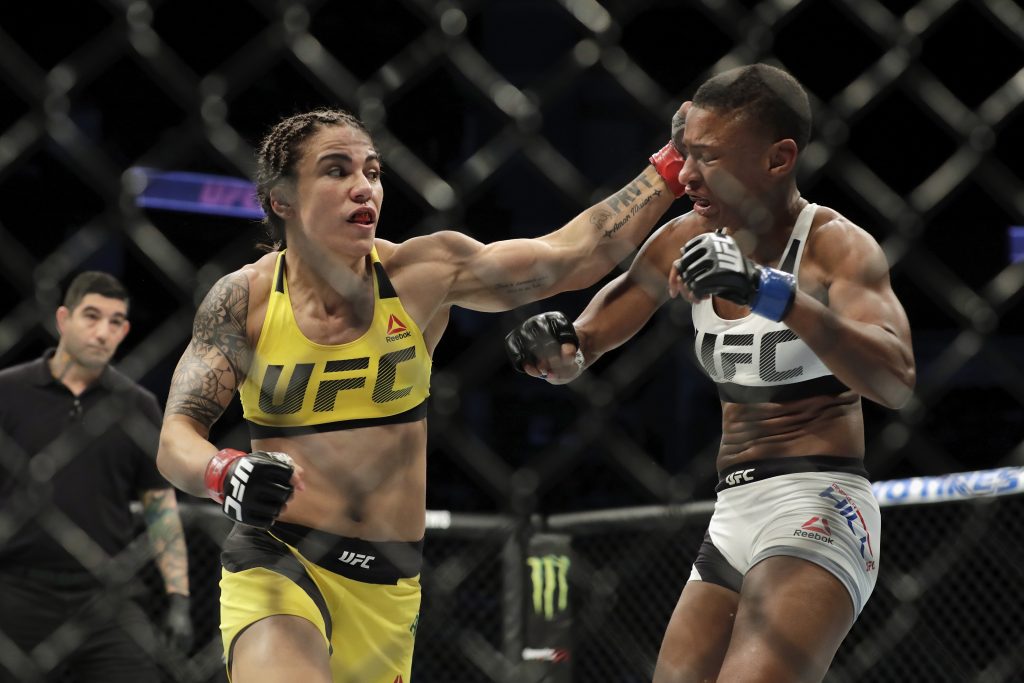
(816, 529)
(396, 329)
(398, 679)
(356, 559)
(739, 477)
(395, 324)
(819, 524)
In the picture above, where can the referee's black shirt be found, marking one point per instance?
(71, 464)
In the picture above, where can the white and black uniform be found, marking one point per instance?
(819, 507)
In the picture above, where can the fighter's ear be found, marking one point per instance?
(782, 157)
(281, 200)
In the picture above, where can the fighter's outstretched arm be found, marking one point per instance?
(615, 314)
(509, 273)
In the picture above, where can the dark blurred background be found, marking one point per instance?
(505, 118)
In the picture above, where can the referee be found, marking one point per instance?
(77, 445)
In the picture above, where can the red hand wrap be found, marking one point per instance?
(668, 162)
(217, 471)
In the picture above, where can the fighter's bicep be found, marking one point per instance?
(216, 360)
(504, 274)
(874, 304)
(860, 288)
(202, 385)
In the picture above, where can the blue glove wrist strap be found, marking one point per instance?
(774, 294)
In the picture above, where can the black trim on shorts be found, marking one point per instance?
(714, 568)
(247, 547)
(258, 431)
(828, 385)
(758, 470)
(377, 562)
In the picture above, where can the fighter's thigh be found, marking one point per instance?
(286, 613)
(697, 635)
(280, 649)
(792, 617)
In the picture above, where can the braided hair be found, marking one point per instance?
(281, 149)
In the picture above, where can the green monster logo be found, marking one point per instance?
(548, 575)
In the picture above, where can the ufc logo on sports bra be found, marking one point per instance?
(384, 389)
(729, 350)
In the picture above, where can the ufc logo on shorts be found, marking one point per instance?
(356, 559)
(233, 501)
(727, 252)
(739, 477)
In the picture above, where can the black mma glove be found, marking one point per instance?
(541, 336)
(712, 264)
(252, 487)
(178, 623)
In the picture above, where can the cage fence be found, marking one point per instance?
(474, 106)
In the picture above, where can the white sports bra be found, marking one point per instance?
(755, 360)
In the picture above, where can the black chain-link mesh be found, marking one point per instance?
(504, 118)
(944, 609)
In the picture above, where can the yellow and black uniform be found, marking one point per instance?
(363, 596)
(296, 386)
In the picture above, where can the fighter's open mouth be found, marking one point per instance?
(362, 216)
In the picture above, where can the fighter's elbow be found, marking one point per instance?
(898, 388)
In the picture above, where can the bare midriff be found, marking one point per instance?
(819, 425)
(367, 483)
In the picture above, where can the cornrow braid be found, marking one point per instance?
(281, 149)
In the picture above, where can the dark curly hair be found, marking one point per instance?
(767, 94)
(281, 149)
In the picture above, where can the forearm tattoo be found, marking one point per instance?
(168, 538)
(625, 204)
(218, 357)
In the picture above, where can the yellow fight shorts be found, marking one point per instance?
(363, 597)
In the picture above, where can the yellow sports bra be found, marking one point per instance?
(296, 386)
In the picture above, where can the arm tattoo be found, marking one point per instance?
(623, 207)
(218, 357)
(600, 218)
(522, 285)
(159, 508)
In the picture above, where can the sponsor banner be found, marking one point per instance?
(194, 193)
(958, 486)
(547, 637)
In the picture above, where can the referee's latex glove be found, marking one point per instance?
(178, 623)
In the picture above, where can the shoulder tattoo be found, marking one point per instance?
(218, 357)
